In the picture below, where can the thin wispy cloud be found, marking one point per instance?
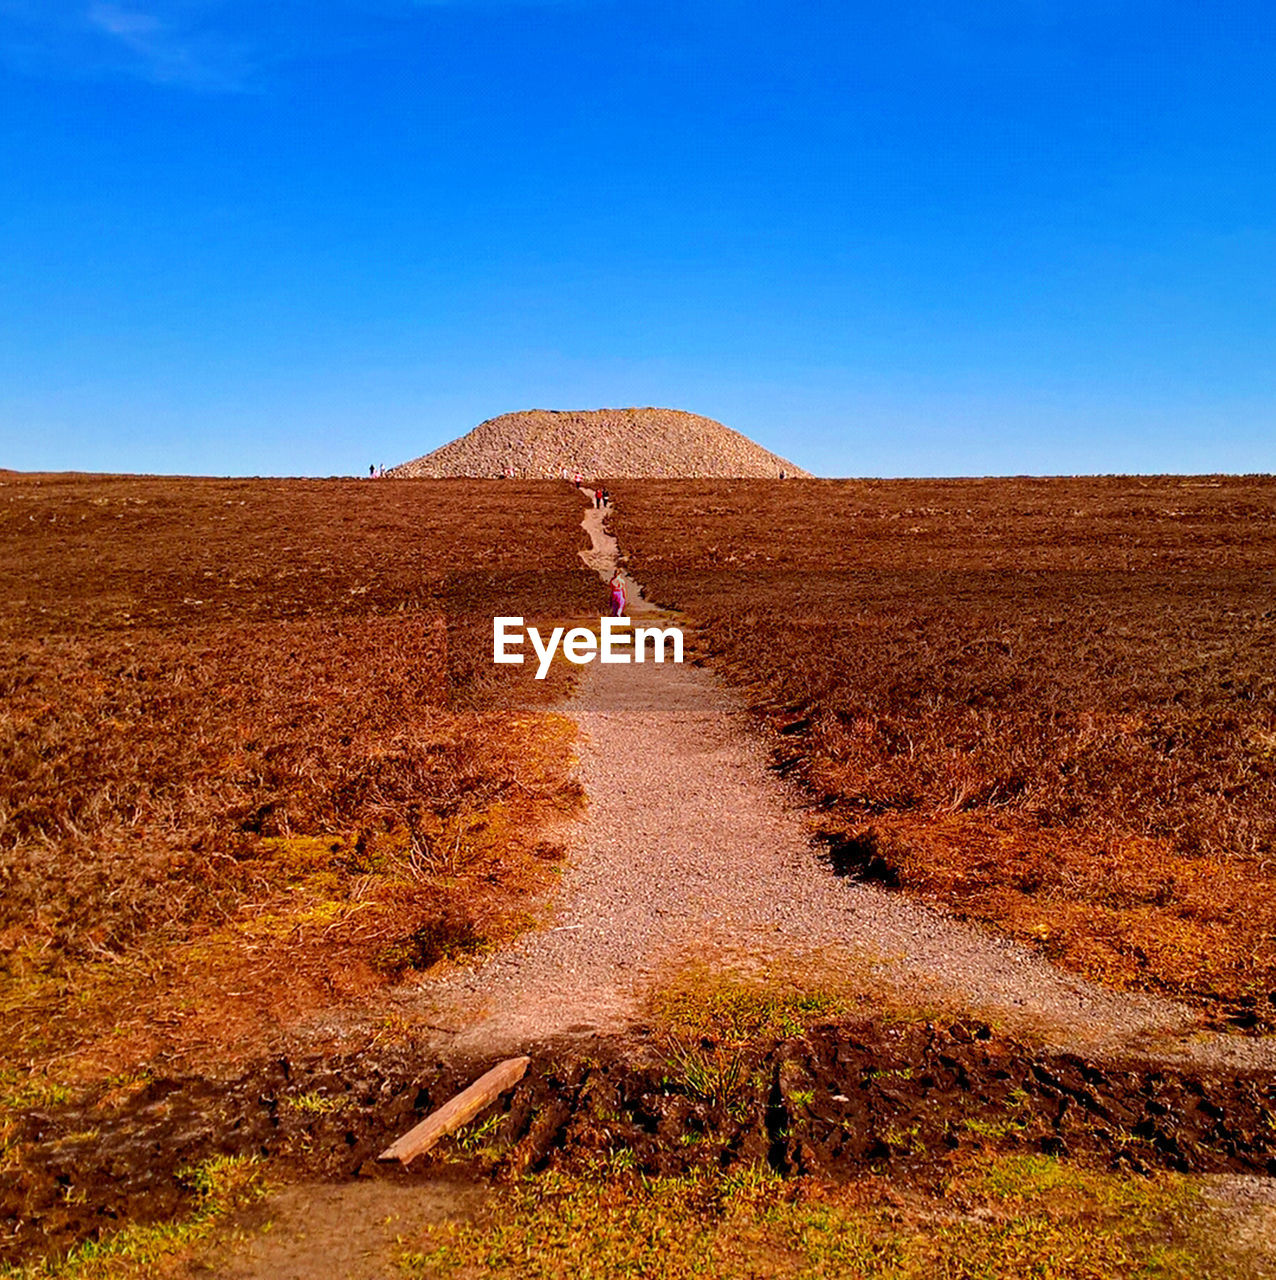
(165, 52)
(166, 42)
(219, 46)
(138, 29)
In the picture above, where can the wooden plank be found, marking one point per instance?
(460, 1110)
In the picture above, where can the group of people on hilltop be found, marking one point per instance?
(376, 472)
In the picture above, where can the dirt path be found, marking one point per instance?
(693, 850)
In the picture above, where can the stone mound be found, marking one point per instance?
(604, 443)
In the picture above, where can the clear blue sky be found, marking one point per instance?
(891, 239)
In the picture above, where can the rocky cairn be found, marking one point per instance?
(608, 443)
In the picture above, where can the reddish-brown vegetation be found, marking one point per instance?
(1048, 704)
(256, 756)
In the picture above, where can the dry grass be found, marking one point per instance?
(1011, 1217)
(257, 759)
(1048, 704)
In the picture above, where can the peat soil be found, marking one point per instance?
(840, 1099)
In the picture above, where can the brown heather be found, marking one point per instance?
(255, 761)
(258, 764)
(1046, 704)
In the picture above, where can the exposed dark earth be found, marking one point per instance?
(837, 1101)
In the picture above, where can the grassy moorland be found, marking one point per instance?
(1049, 705)
(256, 761)
(258, 765)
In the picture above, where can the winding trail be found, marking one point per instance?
(693, 851)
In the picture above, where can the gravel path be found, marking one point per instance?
(693, 850)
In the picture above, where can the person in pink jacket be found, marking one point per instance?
(619, 600)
